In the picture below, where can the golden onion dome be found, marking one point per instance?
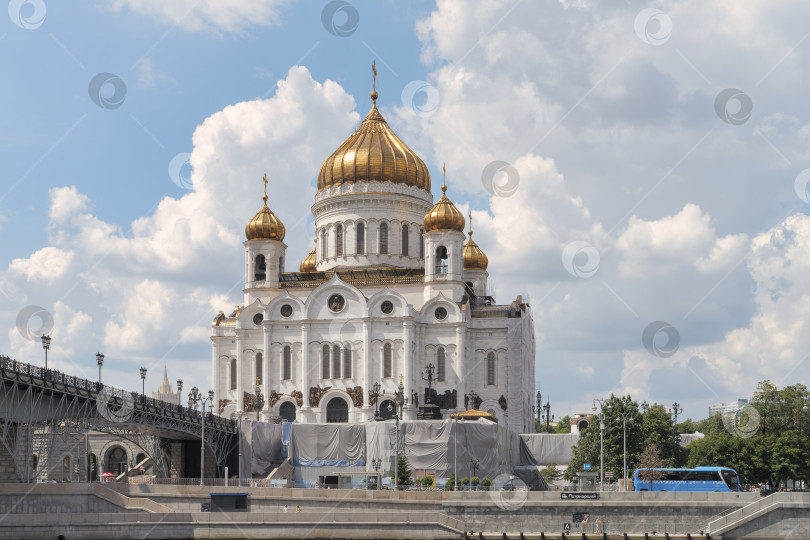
(308, 264)
(374, 153)
(265, 225)
(444, 216)
(472, 255)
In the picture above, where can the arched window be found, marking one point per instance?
(491, 368)
(140, 457)
(281, 264)
(336, 362)
(259, 268)
(383, 238)
(287, 411)
(337, 410)
(66, 468)
(440, 364)
(92, 467)
(360, 239)
(347, 363)
(441, 260)
(405, 240)
(339, 240)
(259, 368)
(287, 363)
(388, 368)
(387, 409)
(323, 244)
(325, 362)
(233, 374)
(116, 460)
(421, 243)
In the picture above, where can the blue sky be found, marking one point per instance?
(659, 152)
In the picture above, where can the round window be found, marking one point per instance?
(440, 313)
(387, 307)
(257, 319)
(286, 310)
(336, 303)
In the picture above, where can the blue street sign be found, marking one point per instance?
(586, 466)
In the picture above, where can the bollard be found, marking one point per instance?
(521, 536)
(480, 535)
(504, 536)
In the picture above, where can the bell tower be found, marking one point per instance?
(444, 242)
(265, 252)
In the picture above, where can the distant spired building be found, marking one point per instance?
(391, 286)
(165, 392)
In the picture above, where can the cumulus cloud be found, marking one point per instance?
(618, 145)
(149, 293)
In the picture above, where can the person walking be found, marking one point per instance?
(298, 508)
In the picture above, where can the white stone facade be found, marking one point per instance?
(435, 312)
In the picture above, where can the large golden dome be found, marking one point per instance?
(472, 255)
(374, 154)
(308, 264)
(265, 225)
(444, 216)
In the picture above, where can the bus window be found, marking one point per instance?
(730, 478)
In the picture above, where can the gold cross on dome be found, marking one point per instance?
(374, 70)
(264, 179)
(401, 376)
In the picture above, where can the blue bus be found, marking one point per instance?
(697, 479)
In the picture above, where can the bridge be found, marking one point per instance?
(43, 405)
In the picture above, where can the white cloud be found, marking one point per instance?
(150, 293)
(197, 15)
(46, 265)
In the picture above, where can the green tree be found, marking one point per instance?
(587, 449)
(404, 471)
(563, 425)
(658, 431)
(550, 473)
(486, 482)
(426, 481)
(451, 482)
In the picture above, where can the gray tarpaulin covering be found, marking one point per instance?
(431, 445)
(261, 447)
(551, 447)
(320, 445)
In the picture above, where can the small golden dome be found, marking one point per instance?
(374, 154)
(444, 215)
(265, 225)
(308, 264)
(472, 255)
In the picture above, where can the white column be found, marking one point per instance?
(461, 366)
(408, 360)
(218, 393)
(240, 367)
(306, 364)
(266, 373)
(366, 357)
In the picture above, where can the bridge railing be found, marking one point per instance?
(48, 378)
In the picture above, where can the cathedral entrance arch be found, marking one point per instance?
(287, 411)
(337, 411)
(387, 409)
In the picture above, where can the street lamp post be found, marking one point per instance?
(375, 393)
(239, 414)
(143, 383)
(400, 402)
(625, 417)
(100, 362)
(258, 391)
(46, 344)
(539, 408)
(602, 404)
(195, 397)
(179, 391)
(676, 410)
(549, 416)
(376, 462)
